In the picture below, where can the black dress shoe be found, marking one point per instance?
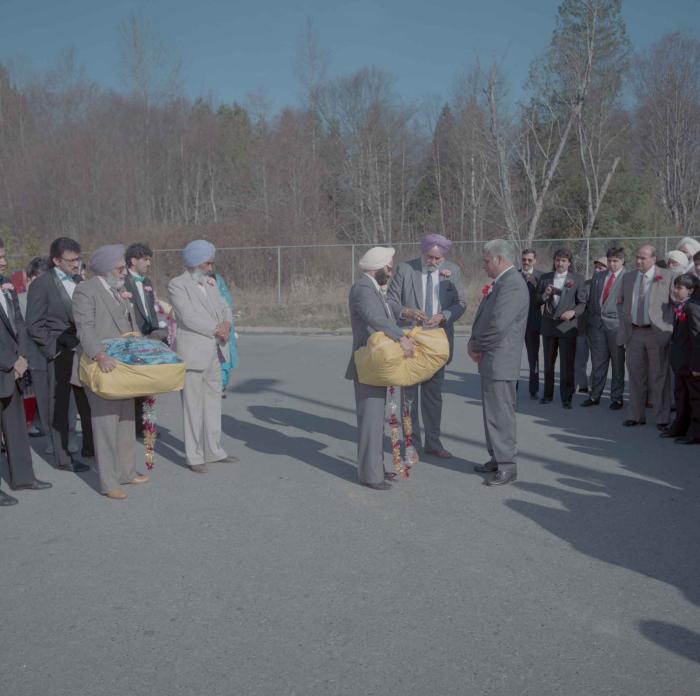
(487, 468)
(591, 402)
(75, 466)
(383, 486)
(7, 500)
(630, 423)
(566, 404)
(662, 426)
(668, 433)
(545, 400)
(34, 485)
(501, 478)
(687, 441)
(615, 405)
(583, 390)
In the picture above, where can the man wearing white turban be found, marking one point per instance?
(689, 247)
(203, 330)
(369, 313)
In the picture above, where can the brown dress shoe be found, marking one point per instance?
(443, 454)
(140, 478)
(116, 494)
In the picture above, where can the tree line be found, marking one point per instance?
(604, 142)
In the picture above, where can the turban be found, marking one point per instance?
(432, 240)
(692, 244)
(376, 258)
(679, 257)
(198, 251)
(106, 258)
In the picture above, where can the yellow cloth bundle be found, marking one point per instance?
(381, 363)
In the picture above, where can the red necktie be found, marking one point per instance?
(608, 286)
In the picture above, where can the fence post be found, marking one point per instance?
(665, 247)
(588, 254)
(279, 275)
(352, 270)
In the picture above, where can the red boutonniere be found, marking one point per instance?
(147, 288)
(125, 295)
(657, 278)
(487, 289)
(8, 287)
(569, 284)
(446, 273)
(680, 313)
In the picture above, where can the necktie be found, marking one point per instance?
(429, 295)
(138, 278)
(608, 286)
(640, 301)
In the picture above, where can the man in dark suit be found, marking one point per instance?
(428, 290)
(143, 297)
(563, 294)
(369, 313)
(13, 365)
(50, 324)
(534, 319)
(601, 325)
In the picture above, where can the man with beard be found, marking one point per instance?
(203, 333)
(428, 290)
(51, 325)
(102, 311)
(369, 313)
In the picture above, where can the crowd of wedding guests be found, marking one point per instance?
(51, 315)
(640, 313)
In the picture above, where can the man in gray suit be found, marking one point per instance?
(102, 310)
(428, 290)
(496, 345)
(602, 325)
(646, 324)
(203, 332)
(369, 313)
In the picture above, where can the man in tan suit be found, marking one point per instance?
(646, 324)
(102, 310)
(203, 331)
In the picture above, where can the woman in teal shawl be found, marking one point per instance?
(233, 357)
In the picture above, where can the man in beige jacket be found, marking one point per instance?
(203, 330)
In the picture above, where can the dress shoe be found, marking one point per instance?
(501, 478)
(629, 423)
(383, 486)
(34, 485)
(583, 390)
(545, 400)
(662, 426)
(566, 404)
(442, 453)
(116, 494)
(591, 402)
(139, 478)
(615, 405)
(668, 433)
(390, 476)
(687, 441)
(7, 500)
(87, 452)
(199, 468)
(486, 468)
(75, 466)
(228, 459)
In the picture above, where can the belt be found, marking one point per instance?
(646, 326)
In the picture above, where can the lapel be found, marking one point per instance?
(118, 309)
(63, 294)
(197, 296)
(418, 283)
(5, 318)
(484, 300)
(136, 297)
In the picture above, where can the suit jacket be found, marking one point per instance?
(197, 314)
(37, 360)
(573, 296)
(50, 315)
(498, 330)
(684, 354)
(146, 315)
(367, 316)
(660, 307)
(603, 316)
(13, 343)
(534, 314)
(98, 315)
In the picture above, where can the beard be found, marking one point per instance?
(382, 277)
(114, 282)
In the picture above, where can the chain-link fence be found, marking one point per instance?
(308, 285)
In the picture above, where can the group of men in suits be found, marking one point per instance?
(67, 317)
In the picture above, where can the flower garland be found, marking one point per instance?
(149, 429)
(402, 465)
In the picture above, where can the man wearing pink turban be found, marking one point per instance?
(428, 290)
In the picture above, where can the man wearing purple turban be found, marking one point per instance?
(428, 291)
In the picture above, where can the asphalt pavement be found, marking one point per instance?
(281, 576)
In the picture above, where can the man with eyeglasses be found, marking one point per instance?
(51, 325)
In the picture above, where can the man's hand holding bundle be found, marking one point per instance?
(409, 346)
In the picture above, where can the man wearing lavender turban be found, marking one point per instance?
(428, 290)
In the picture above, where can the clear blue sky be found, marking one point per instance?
(230, 48)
